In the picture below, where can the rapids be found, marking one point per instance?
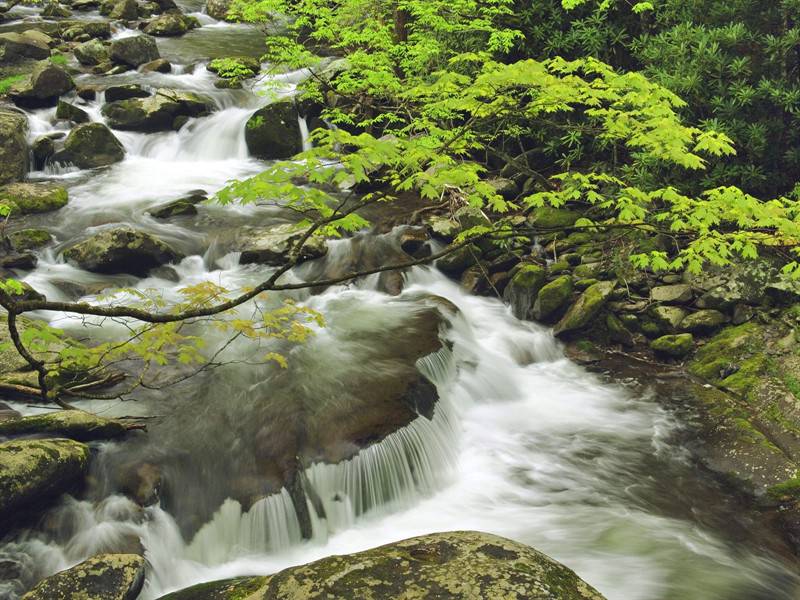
(523, 443)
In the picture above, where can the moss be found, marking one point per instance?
(562, 266)
(29, 198)
(737, 346)
(786, 490)
(551, 218)
(676, 346)
(29, 239)
(553, 297)
(8, 82)
(73, 424)
(586, 308)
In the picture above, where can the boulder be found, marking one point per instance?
(159, 65)
(42, 149)
(125, 10)
(56, 10)
(161, 112)
(680, 293)
(121, 250)
(32, 471)
(125, 92)
(91, 145)
(177, 208)
(134, 51)
(13, 145)
(218, 9)
(43, 86)
(271, 245)
(703, 321)
(668, 318)
(586, 308)
(93, 52)
(549, 218)
(458, 261)
(29, 239)
(552, 298)
(73, 424)
(171, 24)
(18, 47)
(29, 198)
(87, 30)
(246, 66)
(102, 577)
(273, 132)
(523, 288)
(69, 112)
(457, 565)
(674, 346)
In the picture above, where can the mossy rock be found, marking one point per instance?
(523, 288)
(171, 24)
(73, 424)
(741, 346)
(668, 318)
(43, 87)
(134, 50)
(558, 267)
(585, 309)
(458, 261)
(121, 250)
(29, 198)
(273, 132)
(91, 53)
(29, 239)
(675, 346)
(102, 577)
(13, 145)
(617, 332)
(272, 245)
(90, 146)
(786, 491)
(553, 298)
(459, 565)
(548, 218)
(35, 470)
(703, 321)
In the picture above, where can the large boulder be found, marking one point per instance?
(32, 471)
(43, 86)
(86, 30)
(29, 198)
(704, 321)
(674, 346)
(218, 9)
(102, 577)
(134, 51)
(586, 308)
(523, 288)
(552, 298)
(163, 111)
(13, 145)
(459, 565)
(73, 424)
(171, 24)
(121, 250)
(91, 145)
(273, 132)
(272, 245)
(92, 52)
(126, 10)
(18, 47)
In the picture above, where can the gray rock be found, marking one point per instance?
(13, 145)
(272, 245)
(17, 47)
(43, 86)
(162, 111)
(171, 24)
(218, 9)
(680, 293)
(273, 132)
(668, 318)
(30, 198)
(72, 424)
(160, 65)
(102, 577)
(134, 51)
(703, 321)
(125, 92)
(69, 112)
(585, 309)
(126, 10)
(91, 53)
(91, 145)
(121, 250)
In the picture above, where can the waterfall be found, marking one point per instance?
(304, 135)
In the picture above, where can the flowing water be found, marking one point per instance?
(523, 443)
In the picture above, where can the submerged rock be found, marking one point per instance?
(121, 250)
(160, 112)
(134, 51)
(43, 86)
(460, 565)
(272, 245)
(29, 198)
(73, 424)
(13, 145)
(103, 577)
(91, 145)
(273, 132)
(32, 471)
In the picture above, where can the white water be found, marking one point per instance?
(523, 443)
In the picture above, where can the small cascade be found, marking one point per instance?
(304, 134)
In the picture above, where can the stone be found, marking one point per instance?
(33, 471)
(668, 318)
(93, 52)
(102, 577)
(523, 288)
(56, 10)
(29, 239)
(585, 309)
(273, 132)
(247, 66)
(7, 413)
(19, 47)
(176, 208)
(504, 186)
(159, 112)
(674, 346)
(272, 245)
(617, 332)
(42, 87)
(13, 145)
(703, 321)
(458, 261)
(69, 112)
(121, 250)
(126, 10)
(680, 293)
(552, 298)
(87, 29)
(159, 65)
(218, 9)
(30, 198)
(552, 219)
(72, 424)
(457, 565)
(125, 92)
(134, 51)
(171, 24)
(468, 217)
(91, 145)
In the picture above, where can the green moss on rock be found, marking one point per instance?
(549, 218)
(29, 198)
(675, 346)
(102, 577)
(586, 308)
(73, 424)
(29, 239)
(552, 298)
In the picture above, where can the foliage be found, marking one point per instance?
(8, 82)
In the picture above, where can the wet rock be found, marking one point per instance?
(272, 245)
(218, 9)
(246, 66)
(69, 112)
(505, 187)
(13, 145)
(171, 24)
(103, 577)
(73, 424)
(617, 331)
(29, 198)
(552, 299)
(548, 218)
(125, 92)
(521, 292)
(159, 112)
(458, 565)
(56, 10)
(91, 145)
(29, 239)
(32, 471)
(42, 87)
(93, 52)
(126, 10)
(134, 51)
(442, 227)
(7, 413)
(458, 261)
(703, 321)
(181, 207)
(273, 132)
(160, 65)
(586, 308)
(121, 250)
(674, 346)
(668, 318)
(672, 294)
(19, 260)
(18, 47)
(87, 29)
(141, 482)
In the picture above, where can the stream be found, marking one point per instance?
(523, 443)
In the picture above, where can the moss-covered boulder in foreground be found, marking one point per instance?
(121, 250)
(457, 565)
(73, 424)
(103, 577)
(552, 298)
(32, 471)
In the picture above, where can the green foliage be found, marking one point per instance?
(231, 68)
